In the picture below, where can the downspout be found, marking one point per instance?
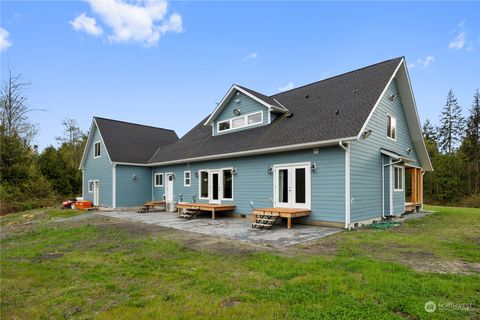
(383, 184)
(347, 182)
(114, 185)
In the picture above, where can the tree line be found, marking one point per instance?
(30, 178)
(454, 148)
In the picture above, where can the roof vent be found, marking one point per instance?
(337, 112)
(355, 91)
(307, 96)
(289, 115)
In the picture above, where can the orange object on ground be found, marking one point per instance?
(82, 205)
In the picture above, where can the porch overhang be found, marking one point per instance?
(396, 156)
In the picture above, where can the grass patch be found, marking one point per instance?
(93, 270)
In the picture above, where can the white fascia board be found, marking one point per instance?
(410, 110)
(87, 144)
(378, 101)
(227, 97)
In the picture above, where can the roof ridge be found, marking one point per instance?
(132, 123)
(335, 76)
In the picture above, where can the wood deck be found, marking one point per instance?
(150, 206)
(213, 208)
(281, 212)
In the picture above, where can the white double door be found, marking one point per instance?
(292, 186)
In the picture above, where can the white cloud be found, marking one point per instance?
(286, 87)
(251, 56)
(86, 24)
(424, 63)
(5, 42)
(140, 22)
(459, 41)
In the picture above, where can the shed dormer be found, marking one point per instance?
(242, 109)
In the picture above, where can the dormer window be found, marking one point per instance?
(240, 122)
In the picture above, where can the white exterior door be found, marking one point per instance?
(292, 186)
(169, 187)
(215, 187)
(96, 193)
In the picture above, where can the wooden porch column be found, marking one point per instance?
(414, 185)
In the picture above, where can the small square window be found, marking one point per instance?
(238, 122)
(398, 179)
(222, 126)
(97, 150)
(186, 178)
(255, 118)
(391, 127)
(158, 179)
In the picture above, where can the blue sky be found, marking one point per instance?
(167, 64)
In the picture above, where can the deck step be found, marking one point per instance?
(262, 225)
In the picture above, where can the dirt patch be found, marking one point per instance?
(438, 266)
(229, 303)
(47, 257)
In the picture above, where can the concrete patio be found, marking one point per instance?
(227, 227)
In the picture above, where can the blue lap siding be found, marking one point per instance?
(252, 182)
(134, 185)
(366, 161)
(98, 169)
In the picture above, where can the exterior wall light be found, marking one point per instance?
(366, 133)
(234, 171)
(313, 166)
(134, 177)
(270, 170)
(393, 97)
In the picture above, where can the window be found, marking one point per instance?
(255, 118)
(227, 184)
(90, 186)
(225, 125)
(186, 178)
(240, 122)
(398, 183)
(97, 150)
(391, 127)
(158, 179)
(203, 184)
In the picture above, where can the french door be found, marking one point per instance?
(215, 186)
(292, 187)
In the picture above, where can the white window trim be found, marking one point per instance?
(94, 149)
(395, 182)
(92, 181)
(155, 179)
(223, 198)
(200, 184)
(185, 178)
(230, 121)
(308, 177)
(386, 127)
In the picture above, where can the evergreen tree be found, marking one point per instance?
(429, 132)
(471, 146)
(451, 127)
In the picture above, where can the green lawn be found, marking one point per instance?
(96, 269)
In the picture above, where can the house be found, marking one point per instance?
(349, 149)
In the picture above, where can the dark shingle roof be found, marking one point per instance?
(269, 100)
(333, 108)
(130, 142)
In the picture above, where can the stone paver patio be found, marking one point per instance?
(231, 228)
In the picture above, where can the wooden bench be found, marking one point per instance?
(150, 206)
(261, 215)
(213, 208)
